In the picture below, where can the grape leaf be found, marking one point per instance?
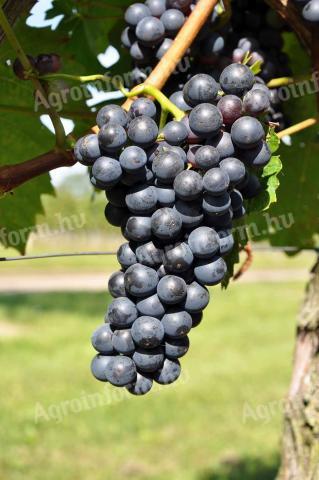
(293, 221)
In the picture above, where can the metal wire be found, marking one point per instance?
(87, 254)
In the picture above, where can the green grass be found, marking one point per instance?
(239, 364)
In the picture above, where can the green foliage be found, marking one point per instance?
(268, 178)
(297, 197)
(82, 34)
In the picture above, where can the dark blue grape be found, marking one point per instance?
(141, 199)
(188, 185)
(205, 120)
(177, 323)
(311, 11)
(116, 285)
(141, 386)
(102, 339)
(167, 165)
(191, 213)
(115, 215)
(148, 360)
(140, 54)
(234, 168)
(197, 298)
(120, 371)
(169, 372)
(140, 281)
(138, 229)
(89, 149)
(173, 21)
(113, 114)
(236, 79)
(216, 181)
(112, 137)
(116, 196)
(150, 31)
(122, 341)
(135, 13)
(231, 108)
(201, 88)
(203, 242)
(166, 223)
(175, 133)
(257, 157)
(147, 332)
(223, 143)
(128, 37)
(178, 99)
(196, 319)
(247, 132)
(150, 255)
(126, 256)
(99, 365)
(218, 205)
(165, 195)
(206, 157)
(163, 48)
(226, 241)
(121, 312)
(171, 289)
(236, 199)
(176, 347)
(210, 272)
(151, 306)
(142, 106)
(256, 102)
(142, 131)
(107, 172)
(178, 259)
(157, 7)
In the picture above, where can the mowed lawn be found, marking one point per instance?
(221, 421)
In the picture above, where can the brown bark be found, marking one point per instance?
(300, 445)
(288, 10)
(12, 176)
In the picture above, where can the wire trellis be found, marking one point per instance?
(102, 253)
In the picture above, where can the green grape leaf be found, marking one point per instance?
(272, 140)
(293, 220)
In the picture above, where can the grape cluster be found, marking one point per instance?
(252, 34)
(310, 10)
(43, 63)
(174, 193)
(150, 30)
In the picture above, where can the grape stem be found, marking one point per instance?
(16, 46)
(74, 78)
(166, 105)
(280, 82)
(12, 176)
(290, 13)
(298, 127)
(247, 262)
